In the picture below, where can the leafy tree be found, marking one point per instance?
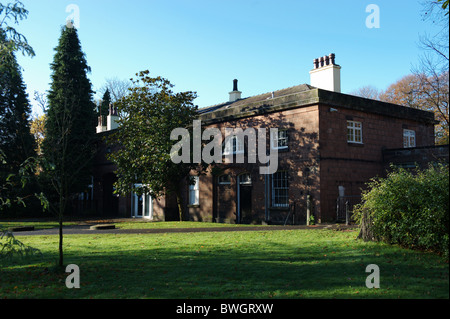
(429, 92)
(148, 114)
(409, 208)
(38, 130)
(12, 40)
(407, 92)
(68, 147)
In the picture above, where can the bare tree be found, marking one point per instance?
(42, 101)
(368, 92)
(118, 88)
(433, 69)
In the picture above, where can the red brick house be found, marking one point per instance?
(329, 145)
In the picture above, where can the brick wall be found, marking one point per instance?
(352, 165)
(220, 202)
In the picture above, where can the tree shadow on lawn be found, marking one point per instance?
(274, 271)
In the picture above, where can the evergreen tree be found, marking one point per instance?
(71, 118)
(16, 141)
(104, 105)
(68, 147)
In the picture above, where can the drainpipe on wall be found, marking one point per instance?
(266, 211)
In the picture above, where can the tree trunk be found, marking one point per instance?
(60, 220)
(366, 232)
(61, 260)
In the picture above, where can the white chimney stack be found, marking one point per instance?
(101, 121)
(111, 120)
(235, 94)
(326, 74)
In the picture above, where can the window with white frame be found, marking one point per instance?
(279, 139)
(354, 132)
(280, 189)
(233, 145)
(194, 191)
(409, 138)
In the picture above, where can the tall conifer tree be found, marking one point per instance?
(68, 146)
(106, 101)
(16, 141)
(71, 118)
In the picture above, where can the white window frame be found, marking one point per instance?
(281, 137)
(233, 145)
(354, 132)
(409, 138)
(280, 189)
(147, 204)
(194, 191)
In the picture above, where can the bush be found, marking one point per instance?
(410, 208)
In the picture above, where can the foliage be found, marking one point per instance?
(38, 130)
(148, 114)
(68, 148)
(11, 246)
(12, 40)
(424, 90)
(103, 108)
(16, 141)
(15, 137)
(70, 124)
(410, 208)
(312, 220)
(444, 5)
(117, 88)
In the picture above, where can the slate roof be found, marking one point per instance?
(256, 98)
(304, 95)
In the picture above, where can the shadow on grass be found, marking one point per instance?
(232, 269)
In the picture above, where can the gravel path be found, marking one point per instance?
(85, 230)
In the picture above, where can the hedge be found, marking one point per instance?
(408, 207)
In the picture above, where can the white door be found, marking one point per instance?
(141, 205)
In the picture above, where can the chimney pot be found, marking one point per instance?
(332, 57)
(316, 63)
(321, 61)
(235, 85)
(235, 94)
(326, 73)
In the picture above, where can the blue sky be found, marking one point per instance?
(202, 45)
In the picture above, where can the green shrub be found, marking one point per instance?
(410, 208)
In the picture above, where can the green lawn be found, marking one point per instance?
(310, 263)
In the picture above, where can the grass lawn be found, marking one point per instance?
(314, 263)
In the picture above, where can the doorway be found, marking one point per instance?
(244, 199)
(141, 205)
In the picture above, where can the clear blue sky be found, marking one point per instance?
(202, 45)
